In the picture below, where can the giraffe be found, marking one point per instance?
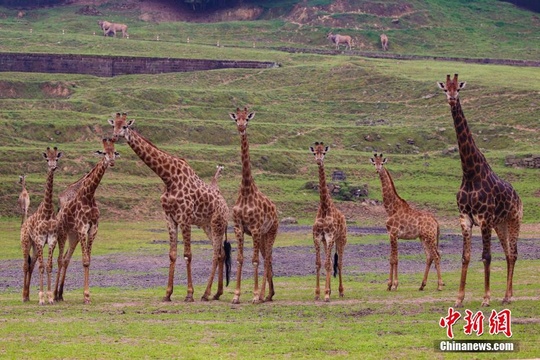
(70, 192)
(384, 42)
(329, 228)
(40, 229)
(186, 201)
(24, 199)
(214, 183)
(484, 200)
(78, 221)
(253, 214)
(407, 223)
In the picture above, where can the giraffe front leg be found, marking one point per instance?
(317, 241)
(392, 280)
(466, 229)
(328, 246)
(50, 295)
(255, 262)
(41, 269)
(61, 276)
(61, 243)
(486, 259)
(186, 235)
(173, 254)
(27, 260)
(240, 261)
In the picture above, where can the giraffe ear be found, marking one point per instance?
(59, 155)
(116, 154)
(312, 150)
(326, 149)
(384, 161)
(110, 121)
(99, 153)
(372, 161)
(45, 155)
(462, 85)
(441, 85)
(250, 116)
(232, 116)
(130, 123)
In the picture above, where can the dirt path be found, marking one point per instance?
(139, 270)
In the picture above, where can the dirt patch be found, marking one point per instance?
(57, 89)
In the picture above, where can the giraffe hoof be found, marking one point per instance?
(458, 304)
(235, 301)
(506, 301)
(204, 298)
(216, 297)
(317, 298)
(189, 298)
(485, 303)
(166, 299)
(268, 298)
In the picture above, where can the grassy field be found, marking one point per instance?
(370, 322)
(355, 105)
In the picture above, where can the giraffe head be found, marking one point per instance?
(451, 88)
(22, 179)
(241, 117)
(378, 161)
(319, 150)
(120, 125)
(52, 156)
(109, 153)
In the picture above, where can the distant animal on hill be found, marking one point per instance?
(384, 42)
(340, 39)
(112, 28)
(21, 14)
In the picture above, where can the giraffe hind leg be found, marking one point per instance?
(508, 236)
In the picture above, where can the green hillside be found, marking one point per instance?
(356, 105)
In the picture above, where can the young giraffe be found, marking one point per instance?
(24, 199)
(186, 201)
(40, 229)
(407, 223)
(253, 214)
(329, 228)
(78, 221)
(214, 183)
(483, 200)
(384, 42)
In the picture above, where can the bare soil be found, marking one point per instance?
(139, 270)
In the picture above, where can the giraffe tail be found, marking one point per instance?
(227, 247)
(335, 264)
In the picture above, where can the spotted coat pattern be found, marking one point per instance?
(484, 200)
(407, 223)
(40, 230)
(187, 200)
(329, 228)
(253, 214)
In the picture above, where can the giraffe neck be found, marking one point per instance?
(92, 180)
(248, 185)
(391, 200)
(46, 207)
(159, 161)
(473, 162)
(326, 201)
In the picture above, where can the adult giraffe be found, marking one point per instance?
(253, 214)
(40, 230)
(77, 221)
(408, 223)
(484, 200)
(186, 201)
(330, 228)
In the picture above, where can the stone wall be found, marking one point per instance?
(108, 66)
(528, 161)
